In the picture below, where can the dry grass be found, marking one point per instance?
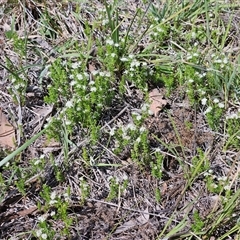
(84, 189)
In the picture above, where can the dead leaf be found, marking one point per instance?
(7, 132)
(164, 188)
(142, 219)
(91, 67)
(28, 211)
(127, 225)
(157, 101)
(41, 114)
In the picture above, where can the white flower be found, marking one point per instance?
(66, 197)
(145, 107)
(131, 126)
(107, 74)
(79, 76)
(69, 104)
(42, 218)
(64, 63)
(135, 63)
(159, 29)
(39, 232)
(116, 45)
(150, 112)
(224, 178)
(44, 236)
(190, 80)
(86, 74)
(113, 55)
(221, 105)
(68, 122)
(124, 59)
(189, 56)
(202, 92)
(104, 22)
(53, 195)
(110, 42)
(52, 202)
(75, 65)
(227, 187)
(131, 56)
(138, 140)
(213, 185)
(138, 117)
(93, 89)
(112, 132)
(52, 213)
(37, 162)
(142, 129)
(72, 83)
(94, 72)
(125, 136)
(225, 60)
(204, 101)
(216, 100)
(218, 61)
(208, 110)
(17, 86)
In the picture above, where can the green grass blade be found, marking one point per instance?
(20, 149)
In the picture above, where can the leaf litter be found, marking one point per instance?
(136, 214)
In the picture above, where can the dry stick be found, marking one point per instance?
(135, 210)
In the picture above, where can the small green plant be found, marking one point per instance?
(116, 189)
(232, 126)
(200, 162)
(156, 167)
(198, 224)
(85, 189)
(58, 204)
(214, 114)
(158, 195)
(100, 66)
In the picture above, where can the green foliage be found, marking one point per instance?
(19, 44)
(116, 189)
(158, 195)
(232, 129)
(87, 76)
(198, 223)
(200, 162)
(156, 167)
(85, 189)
